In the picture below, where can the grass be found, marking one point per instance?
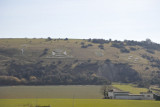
(77, 103)
(130, 87)
(34, 47)
(69, 91)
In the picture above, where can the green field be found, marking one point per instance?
(130, 87)
(77, 103)
(68, 91)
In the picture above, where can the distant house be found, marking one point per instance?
(126, 95)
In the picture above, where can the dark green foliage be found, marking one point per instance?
(155, 61)
(84, 46)
(101, 41)
(89, 40)
(105, 89)
(144, 83)
(107, 61)
(124, 50)
(66, 39)
(118, 45)
(148, 44)
(60, 72)
(38, 74)
(133, 49)
(82, 43)
(90, 45)
(49, 39)
(101, 46)
(150, 51)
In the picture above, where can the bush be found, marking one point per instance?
(66, 39)
(118, 45)
(150, 51)
(124, 50)
(84, 46)
(107, 61)
(49, 39)
(101, 46)
(90, 45)
(101, 41)
(132, 49)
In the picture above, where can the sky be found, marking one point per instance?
(81, 19)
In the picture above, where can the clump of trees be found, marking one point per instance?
(105, 89)
(49, 39)
(124, 50)
(133, 49)
(39, 74)
(99, 41)
(85, 46)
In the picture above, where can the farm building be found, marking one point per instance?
(127, 95)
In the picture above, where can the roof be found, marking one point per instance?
(120, 91)
(129, 95)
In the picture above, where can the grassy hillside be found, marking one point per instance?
(26, 61)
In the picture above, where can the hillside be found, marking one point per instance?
(70, 61)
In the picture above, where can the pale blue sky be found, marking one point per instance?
(115, 19)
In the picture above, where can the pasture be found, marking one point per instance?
(64, 96)
(77, 103)
(61, 91)
(130, 88)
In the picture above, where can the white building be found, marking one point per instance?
(127, 95)
(148, 95)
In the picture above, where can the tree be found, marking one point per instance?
(105, 89)
(66, 39)
(49, 39)
(148, 41)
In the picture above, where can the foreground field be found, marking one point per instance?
(77, 103)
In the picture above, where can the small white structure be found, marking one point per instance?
(59, 53)
(53, 53)
(65, 53)
(147, 95)
(128, 96)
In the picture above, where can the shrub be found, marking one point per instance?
(84, 46)
(124, 50)
(150, 51)
(132, 49)
(66, 39)
(101, 46)
(49, 39)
